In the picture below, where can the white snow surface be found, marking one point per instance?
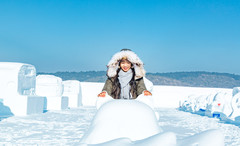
(68, 127)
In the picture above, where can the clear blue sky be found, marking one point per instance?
(82, 35)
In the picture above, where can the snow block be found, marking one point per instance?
(25, 105)
(17, 88)
(72, 89)
(49, 85)
(57, 103)
(52, 88)
(16, 79)
(122, 119)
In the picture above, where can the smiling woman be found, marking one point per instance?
(125, 76)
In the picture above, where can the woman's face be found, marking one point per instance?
(125, 65)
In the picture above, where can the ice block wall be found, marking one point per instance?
(17, 78)
(17, 88)
(51, 87)
(72, 89)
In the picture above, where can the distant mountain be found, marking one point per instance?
(193, 79)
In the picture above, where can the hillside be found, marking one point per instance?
(193, 79)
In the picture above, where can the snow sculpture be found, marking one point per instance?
(235, 91)
(51, 87)
(236, 107)
(221, 105)
(120, 119)
(201, 104)
(72, 89)
(189, 104)
(17, 88)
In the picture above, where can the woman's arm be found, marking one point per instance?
(106, 89)
(141, 88)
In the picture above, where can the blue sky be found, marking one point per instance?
(82, 35)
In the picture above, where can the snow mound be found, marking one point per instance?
(120, 119)
(164, 139)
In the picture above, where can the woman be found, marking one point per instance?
(125, 76)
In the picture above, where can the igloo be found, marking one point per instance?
(51, 87)
(17, 88)
(72, 89)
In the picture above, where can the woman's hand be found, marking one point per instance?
(102, 94)
(147, 93)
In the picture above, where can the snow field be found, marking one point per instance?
(67, 127)
(21, 96)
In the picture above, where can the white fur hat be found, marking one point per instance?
(113, 64)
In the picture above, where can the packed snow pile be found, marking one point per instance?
(51, 87)
(72, 89)
(17, 90)
(122, 118)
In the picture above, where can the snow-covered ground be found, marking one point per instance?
(67, 127)
(77, 125)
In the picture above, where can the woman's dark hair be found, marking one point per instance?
(117, 87)
(125, 49)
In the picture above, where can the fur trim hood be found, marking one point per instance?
(113, 64)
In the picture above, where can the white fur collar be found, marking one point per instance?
(113, 64)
